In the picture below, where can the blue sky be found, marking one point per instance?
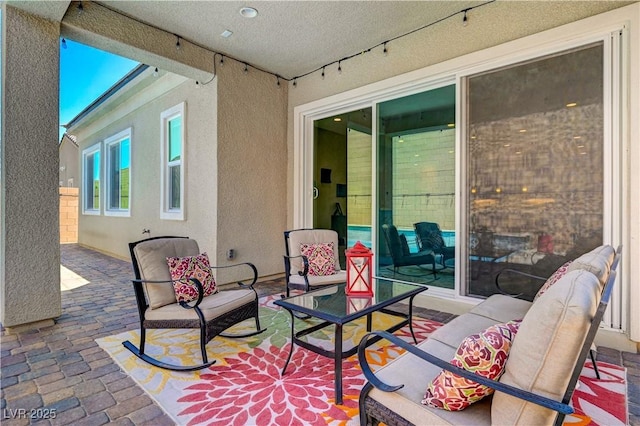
(85, 74)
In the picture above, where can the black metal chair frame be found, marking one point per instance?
(369, 408)
(399, 259)
(305, 270)
(208, 329)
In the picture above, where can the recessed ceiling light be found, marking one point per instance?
(248, 12)
(226, 33)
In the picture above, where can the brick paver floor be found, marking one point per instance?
(60, 369)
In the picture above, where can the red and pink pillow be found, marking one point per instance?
(183, 268)
(321, 258)
(485, 354)
(554, 278)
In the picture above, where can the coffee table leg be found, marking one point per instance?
(290, 350)
(338, 364)
(411, 319)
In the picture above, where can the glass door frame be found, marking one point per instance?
(615, 36)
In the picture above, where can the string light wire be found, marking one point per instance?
(338, 61)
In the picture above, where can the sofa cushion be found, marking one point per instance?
(546, 348)
(554, 278)
(320, 257)
(184, 268)
(415, 373)
(152, 261)
(501, 308)
(598, 261)
(309, 236)
(485, 354)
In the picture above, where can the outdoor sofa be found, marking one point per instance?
(545, 359)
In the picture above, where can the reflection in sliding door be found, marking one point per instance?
(416, 188)
(535, 167)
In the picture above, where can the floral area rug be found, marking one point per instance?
(245, 385)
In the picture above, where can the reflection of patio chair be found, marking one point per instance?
(429, 239)
(400, 254)
(319, 267)
(157, 302)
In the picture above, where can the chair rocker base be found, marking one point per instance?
(146, 358)
(238, 336)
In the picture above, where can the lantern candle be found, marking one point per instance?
(359, 280)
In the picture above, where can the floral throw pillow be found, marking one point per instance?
(183, 268)
(321, 258)
(485, 354)
(554, 278)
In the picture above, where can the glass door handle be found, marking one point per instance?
(316, 192)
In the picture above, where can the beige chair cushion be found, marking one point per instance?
(309, 236)
(598, 261)
(152, 261)
(416, 374)
(546, 348)
(338, 277)
(211, 306)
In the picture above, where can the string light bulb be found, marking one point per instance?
(155, 72)
(198, 84)
(246, 68)
(384, 50)
(295, 83)
(323, 73)
(277, 80)
(465, 19)
(80, 8)
(221, 59)
(178, 46)
(64, 43)
(340, 67)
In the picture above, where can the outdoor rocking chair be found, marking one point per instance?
(401, 256)
(159, 308)
(322, 245)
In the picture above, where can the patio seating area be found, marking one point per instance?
(62, 368)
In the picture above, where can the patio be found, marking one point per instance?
(62, 368)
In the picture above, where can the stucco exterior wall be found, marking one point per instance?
(111, 234)
(252, 168)
(30, 278)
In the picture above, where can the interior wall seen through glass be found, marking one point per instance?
(535, 167)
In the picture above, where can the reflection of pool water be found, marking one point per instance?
(362, 233)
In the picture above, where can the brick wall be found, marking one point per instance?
(68, 215)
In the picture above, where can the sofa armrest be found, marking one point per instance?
(511, 390)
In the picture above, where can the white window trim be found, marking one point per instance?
(86, 152)
(165, 212)
(113, 140)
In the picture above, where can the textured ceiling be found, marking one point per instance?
(290, 38)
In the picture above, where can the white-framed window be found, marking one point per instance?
(91, 180)
(172, 137)
(118, 174)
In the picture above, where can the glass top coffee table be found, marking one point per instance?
(334, 307)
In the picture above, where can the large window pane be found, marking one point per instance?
(535, 167)
(416, 188)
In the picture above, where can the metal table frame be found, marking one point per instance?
(338, 354)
